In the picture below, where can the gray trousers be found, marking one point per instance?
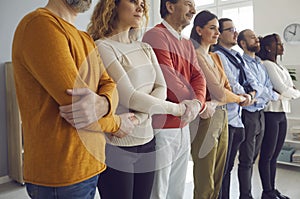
(254, 123)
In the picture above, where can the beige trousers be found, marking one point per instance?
(209, 150)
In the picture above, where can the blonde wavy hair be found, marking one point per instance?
(104, 17)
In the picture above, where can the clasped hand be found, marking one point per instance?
(210, 109)
(192, 110)
(248, 101)
(128, 123)
(89, 108)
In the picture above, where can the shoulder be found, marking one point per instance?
(214, 55)
(143, 45)
(103, 43)
(159, 32)
(221, 55)
(268, 64)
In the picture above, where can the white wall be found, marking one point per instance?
(272, 16)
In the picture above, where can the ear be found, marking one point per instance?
(199, 30)
(170, 7)
(268, 49)
(243, 43)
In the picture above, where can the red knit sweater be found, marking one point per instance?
(178, 61)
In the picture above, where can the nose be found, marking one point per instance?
(193, 9)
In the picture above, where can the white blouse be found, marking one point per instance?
(283, 84)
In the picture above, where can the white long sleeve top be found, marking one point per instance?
(141, 86)
(283, 84)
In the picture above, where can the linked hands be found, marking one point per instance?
(247, 100)
(128, 123)
(210, 109)
(193, 108)
(89, 108)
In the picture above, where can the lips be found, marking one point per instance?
(190, 16)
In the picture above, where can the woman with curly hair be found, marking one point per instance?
(115, 26)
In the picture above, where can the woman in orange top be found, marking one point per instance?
(209, 148)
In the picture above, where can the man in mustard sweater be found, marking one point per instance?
(66, 101)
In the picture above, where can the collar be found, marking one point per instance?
(171, 30)
(233, 52)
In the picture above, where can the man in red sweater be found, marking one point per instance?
(186, 83)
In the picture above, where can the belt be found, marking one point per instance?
(223, 107)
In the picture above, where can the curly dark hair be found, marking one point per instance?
(265, 42)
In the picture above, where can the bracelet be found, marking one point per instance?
(251, 95)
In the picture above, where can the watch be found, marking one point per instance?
(291, 33)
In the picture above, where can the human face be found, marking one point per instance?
(183, 12)
(209, 33)
(278, 45)
(79, 6)
(228, 37)
(130, 14)
(251, 41)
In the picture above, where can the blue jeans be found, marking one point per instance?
(82, 190)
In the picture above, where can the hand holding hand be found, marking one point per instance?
(88, 109)
(210, 109)
(182, 108)
(193, 108)
(128, 123)
(248, 100)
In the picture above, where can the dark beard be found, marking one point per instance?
(254, 49)
(79, 5)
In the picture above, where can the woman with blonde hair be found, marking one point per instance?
(115, 26)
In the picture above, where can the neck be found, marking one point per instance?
(177, 26)
(205, 47)
(121, 36)
(227, 46)
(272, 58)
(61, 9)
(251, 54)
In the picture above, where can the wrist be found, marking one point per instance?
(102, 106)
(251, 95)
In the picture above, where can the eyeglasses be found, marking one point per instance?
(232, 29)
(280, 44)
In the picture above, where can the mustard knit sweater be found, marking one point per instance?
(49, 56)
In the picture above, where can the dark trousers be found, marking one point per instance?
(275, 132)
(129, 173)
(254, 123)
(235, 137)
